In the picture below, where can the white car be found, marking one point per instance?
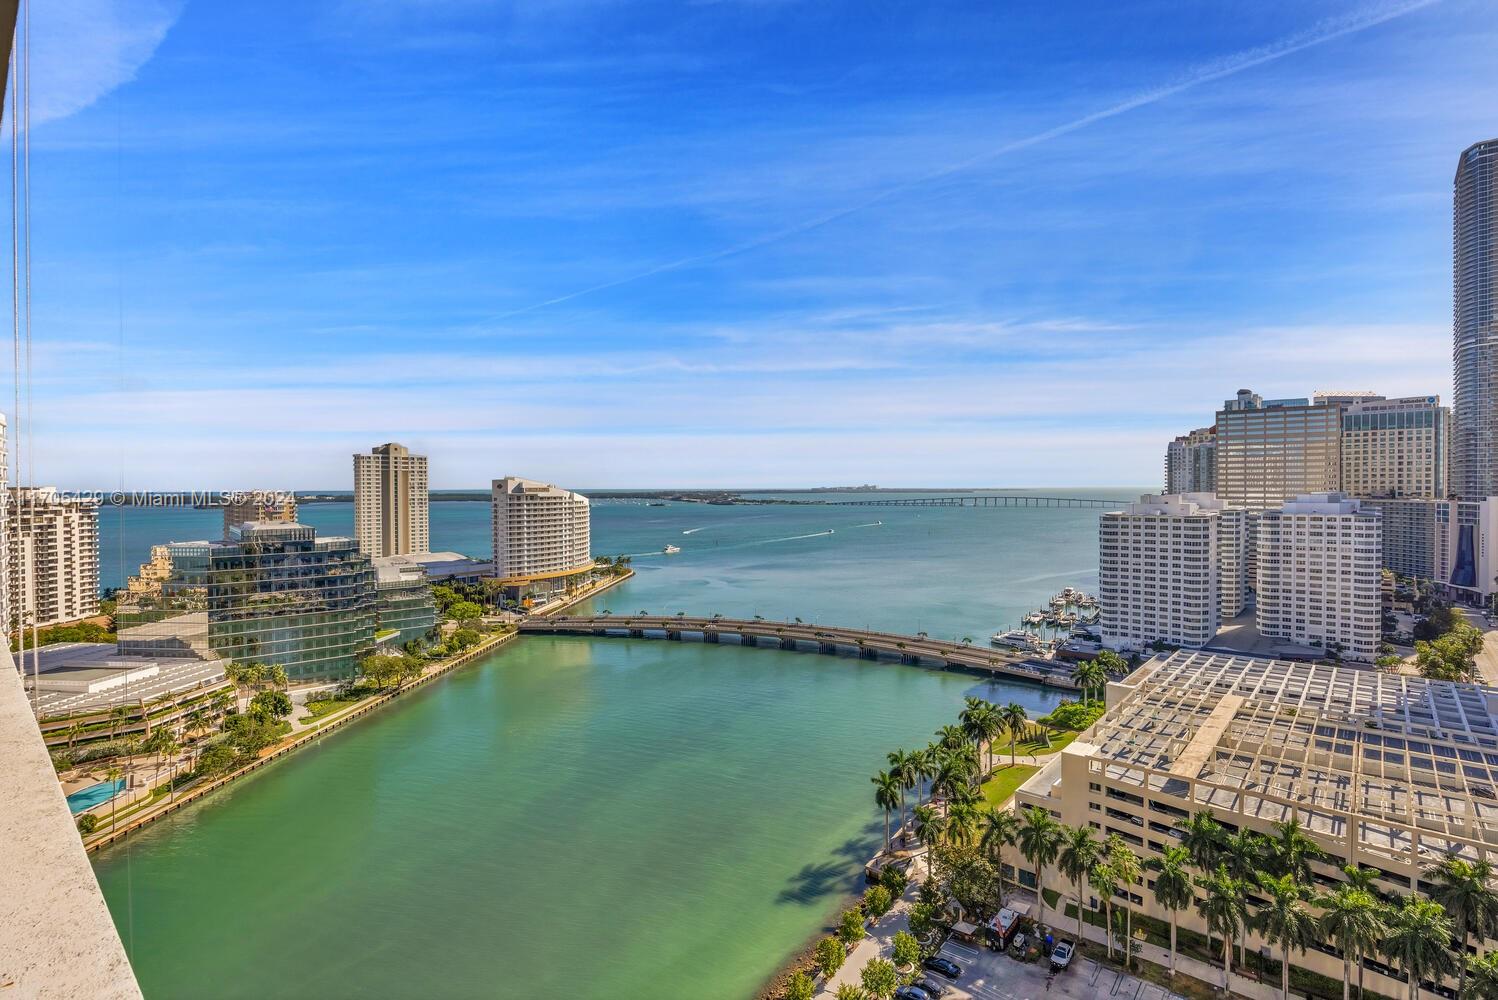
(1061, 956)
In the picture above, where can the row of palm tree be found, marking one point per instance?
(1245, 881)
(951, 768)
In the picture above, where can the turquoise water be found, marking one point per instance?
(87, 798)
(597, 818)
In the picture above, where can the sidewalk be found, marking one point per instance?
(1185, 965)
(879, 943)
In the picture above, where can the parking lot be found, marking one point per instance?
(988, 975)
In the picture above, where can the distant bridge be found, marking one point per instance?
(831, 640)
(975, 501)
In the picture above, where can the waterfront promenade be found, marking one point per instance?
(829, 639)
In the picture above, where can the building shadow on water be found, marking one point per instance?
(840, 874)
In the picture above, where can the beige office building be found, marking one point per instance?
(264, 505)
(1269, 451)
(1318, 561)
(1360, 758)
(540, 532)
(1396, 447)
(391, 502)
(52, 557)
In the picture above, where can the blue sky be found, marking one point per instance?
(745, 242)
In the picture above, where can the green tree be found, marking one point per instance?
(272, 704)
(850, 926)
(1040, 839)
(922, 918)
(964, 822)
(907, 950)
(87, 823)
(876, 901)
(903, 767)
(880, 979)
(1128, 869)
(1285, 921)
(1419, 941)
(464, 611)
(930, 826)
(801, 987)
(1482, 978)
(999, 832)
(1080, 852)
(1202, 837)
(1465, 890)
(1015, 721)
(1352, 918)
(1291, 851)
(894, 880)
(848, 991)
(1173, 890)
(830, 956)
(1223, 909)
(888, 795)
(215, 760)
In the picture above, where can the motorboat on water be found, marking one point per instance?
(1017, 639)
(671, 550)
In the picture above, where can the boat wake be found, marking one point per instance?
(871, 524)
(691, 531)
(792, 538)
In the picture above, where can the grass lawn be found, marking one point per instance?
(998, 789)
(1036, 748)
(324, 707)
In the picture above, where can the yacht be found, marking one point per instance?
(1017, 639)
(671, 550)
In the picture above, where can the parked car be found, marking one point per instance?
(930, 985)
(1061, 956)
(945, 966)
(911, 993)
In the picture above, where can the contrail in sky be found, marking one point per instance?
(1323, 31)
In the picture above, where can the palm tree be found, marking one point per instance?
(1419, 941)
(1103, 880)
(927, 763)
(1285, 921)
(1202, 837)
(1291, 851)
(1365, 879)
(930, 826)
(1126, 866)
(1040, 839)
(1015, 720)
(950, 737)
(1247, 855)
(1482, 978)
(999, 833)
(113, 774)
(903, 767)
(888, 793)
(1088, 674)
(74, 731)
(1465, 890)
(963, 820)
(276, 674)
(951, 775)
(1173, 891)
(1223, 909)
(1079, 854)
(115, 715)
(1352, 919)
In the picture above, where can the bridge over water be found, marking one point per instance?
(828, 639)
(973, 500)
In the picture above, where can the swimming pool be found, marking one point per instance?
(87, 798)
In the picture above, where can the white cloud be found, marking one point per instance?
(83, 49)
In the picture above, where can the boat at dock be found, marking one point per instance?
(1018, 640)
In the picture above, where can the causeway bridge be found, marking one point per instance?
(974, 500)
(828, 639)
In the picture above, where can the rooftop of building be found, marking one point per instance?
(1272, 739)
(75, 677)
(520, 485)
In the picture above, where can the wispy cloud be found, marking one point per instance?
(1324, 31)
(83, 49)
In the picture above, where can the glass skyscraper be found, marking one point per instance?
(272, 593)
(1474, 472)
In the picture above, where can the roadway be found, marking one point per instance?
(829, 639)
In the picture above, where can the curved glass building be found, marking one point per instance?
(1474, 472)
